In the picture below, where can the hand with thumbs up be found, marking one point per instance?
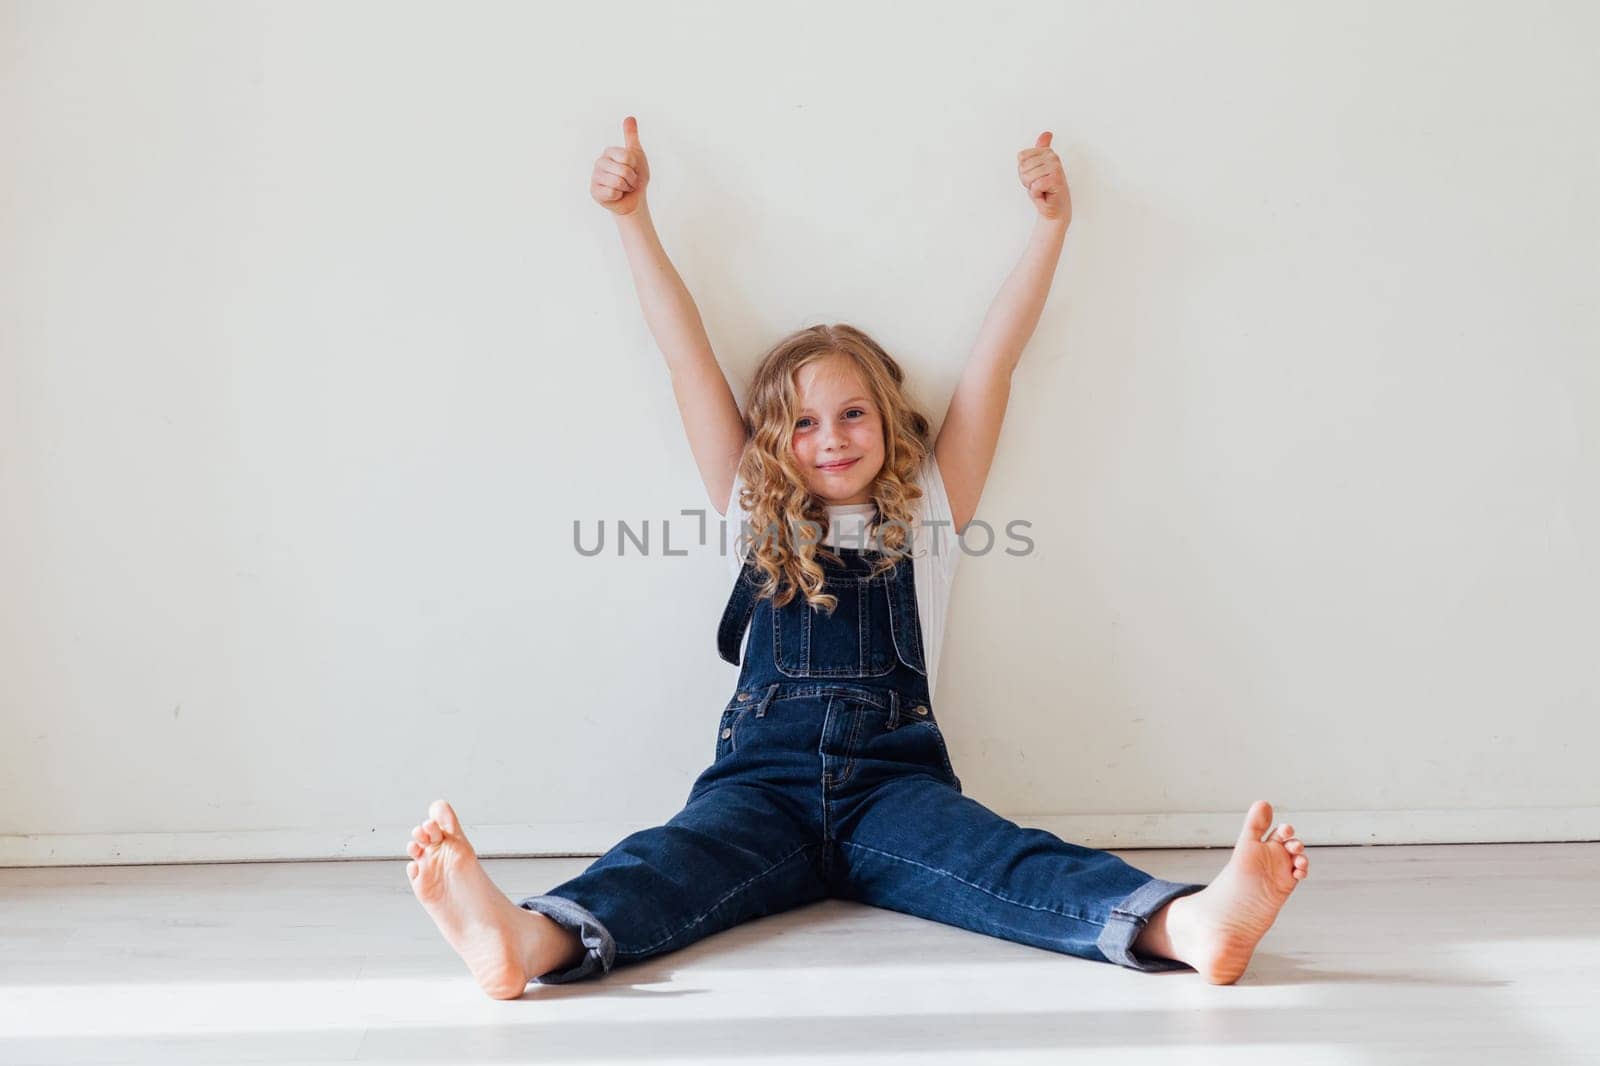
(620, 174)
(1041, 173)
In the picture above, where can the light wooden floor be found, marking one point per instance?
(1465, 953)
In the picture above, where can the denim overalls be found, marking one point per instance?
(831, 779)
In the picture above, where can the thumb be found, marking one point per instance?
(1043, 141)
(630, 132)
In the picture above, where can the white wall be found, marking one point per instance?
(312, 347)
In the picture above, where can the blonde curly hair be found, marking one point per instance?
(774, 492)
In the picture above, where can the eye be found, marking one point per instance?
(856, 411)
(802, 423)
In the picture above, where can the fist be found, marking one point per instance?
(1040, 171)
(620, 174)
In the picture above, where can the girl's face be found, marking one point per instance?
(838, 432)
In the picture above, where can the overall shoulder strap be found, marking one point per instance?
(905, 616)
(736, 616)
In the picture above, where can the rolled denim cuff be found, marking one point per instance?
(600, 950)
(1129, 918)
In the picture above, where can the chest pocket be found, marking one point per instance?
(856, 640)
(874, 625)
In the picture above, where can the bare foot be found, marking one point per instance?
(1216, 929)
(502, 944)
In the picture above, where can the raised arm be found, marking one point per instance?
(971, 429)
(710, 413)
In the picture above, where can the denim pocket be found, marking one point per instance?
(735, 717)
(913, 743)
(854, 640)
(922, 737)
(735, 721)
(944, 753)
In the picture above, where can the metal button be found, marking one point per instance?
(744, 697)
(726, 733)
(920, 709)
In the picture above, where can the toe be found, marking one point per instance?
(414, 850)
(435, 834)
(411, 870)
(445, 815)
(1285, 831)
(419, 835)
(1257, 821)
(1294, 847)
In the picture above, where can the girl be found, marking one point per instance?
(830, 776)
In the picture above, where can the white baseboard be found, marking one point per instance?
(1104, 831)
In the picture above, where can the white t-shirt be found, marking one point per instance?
(934, 547)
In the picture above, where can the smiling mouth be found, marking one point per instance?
(843, 464)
